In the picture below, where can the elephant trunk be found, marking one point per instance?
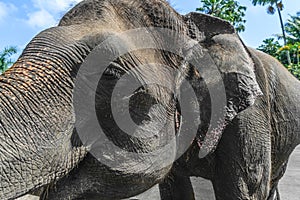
(36, 113)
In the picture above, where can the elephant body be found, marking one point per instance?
(256, 143)
(45, 146)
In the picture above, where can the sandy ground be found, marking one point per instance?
(289, 185)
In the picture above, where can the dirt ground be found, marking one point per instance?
(289, 185)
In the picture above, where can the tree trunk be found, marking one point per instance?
(283, 33)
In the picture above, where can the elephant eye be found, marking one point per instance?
(140, 104)
(113, 71)
(177, 116)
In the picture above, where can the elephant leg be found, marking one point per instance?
(176, 187)
(243, 161)
(277, 194)
(274, 193)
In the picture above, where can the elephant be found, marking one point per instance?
(47, 148)
(253, 152)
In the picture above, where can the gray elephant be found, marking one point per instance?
(46, 147)
(253, 152)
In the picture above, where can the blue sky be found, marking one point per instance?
(22, 20)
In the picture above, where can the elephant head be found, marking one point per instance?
(226, 51)
(55, 93)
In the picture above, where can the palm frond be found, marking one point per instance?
(5, 62)
(8, 51)
(271, 10)
(280, 6)
(264, 2)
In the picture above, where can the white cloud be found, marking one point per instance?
(55, 6)
(5, 9)
(3, 12)
(48, 12)
(41, 19)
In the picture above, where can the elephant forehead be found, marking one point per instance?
(151, 67)
(84, 11)
(131, 13)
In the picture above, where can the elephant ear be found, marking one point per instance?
(228, 53)
(209, 25)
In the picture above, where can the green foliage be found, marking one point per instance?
(295, 70)
(5, 61)
(273, 48)
(270, 46)
(289, 53)
(229, 10)
(273, 6)
(264, 2)
(292, 28)
(294, 50)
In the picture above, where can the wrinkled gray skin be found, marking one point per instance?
(255, 146)
(40, 150)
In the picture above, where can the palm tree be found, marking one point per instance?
(5, 62)
(292, 27)
(273, 6)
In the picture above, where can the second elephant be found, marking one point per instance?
(253, 152)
